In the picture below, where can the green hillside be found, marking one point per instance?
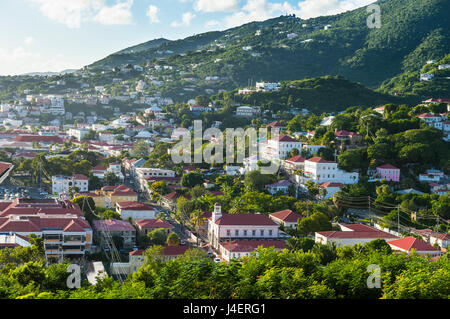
(407, 84)
(412, 32)
(323, 94)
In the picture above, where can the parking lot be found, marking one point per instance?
(10, 192)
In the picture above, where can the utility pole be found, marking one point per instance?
(370, 214)
(398, 218)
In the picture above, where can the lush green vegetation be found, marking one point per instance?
(318, 95)
(310, 271)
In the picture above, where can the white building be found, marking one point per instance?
(331, 189)
(223, 227)
(321, 171)
(351, 235)
(431, 176)
(78, 133)
(62, 184)
(441, 239)
(426, 76)
(268, 86)
(247, 111)
(240, 248)
(279, 148)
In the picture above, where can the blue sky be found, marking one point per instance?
(53, 35)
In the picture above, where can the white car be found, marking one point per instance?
(217, 260)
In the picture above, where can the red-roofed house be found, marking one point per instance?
(432, 120)
(351, 235)
(120, 228)
(239, 226)
(294, 163)
(146, 226)
(408, 243)
(170, 200)
(285, 217)
(241, 248)
(135, 210)
(276, 124)
(331, 188)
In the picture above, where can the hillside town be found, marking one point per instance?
(271, 150)
(99, 190)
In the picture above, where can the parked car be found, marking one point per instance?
(217, 260)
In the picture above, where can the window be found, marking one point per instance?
(245, 232)
(253, 232)
(228, 232)
(236, 232)
(270, 232)
(262, 232)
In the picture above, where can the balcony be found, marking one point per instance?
(73, 242)
(52, 241)
(53, 251)
(73, 251)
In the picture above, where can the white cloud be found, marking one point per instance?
(313, 8)
(152, 13)
(19, 60)
(212, 24)
(259, 10)
(29, 40)
(216, 6)
(73, 12)
(120, 13)
(185, 20)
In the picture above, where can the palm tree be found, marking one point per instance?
(197, 220)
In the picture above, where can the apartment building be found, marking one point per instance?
(65, 232)
(61, 184)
